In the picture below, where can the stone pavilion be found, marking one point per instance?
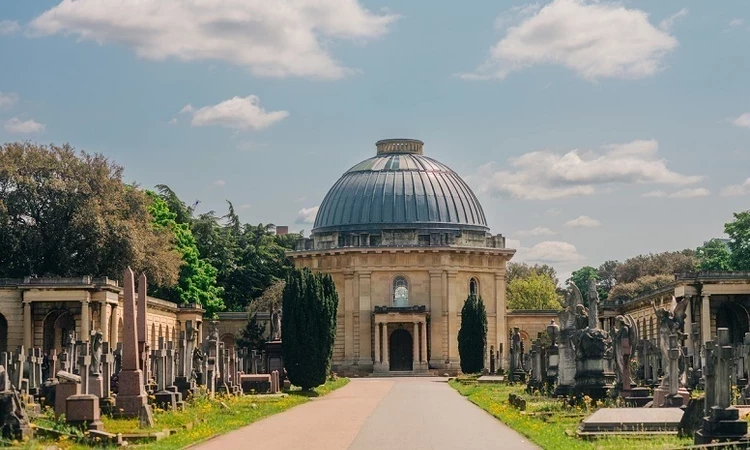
(406, 241)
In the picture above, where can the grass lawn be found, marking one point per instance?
(214, 418)
(550, 432)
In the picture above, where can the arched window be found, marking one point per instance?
(474, 287)
(400, 292)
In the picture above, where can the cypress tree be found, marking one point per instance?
(309, 327)
(472, 337)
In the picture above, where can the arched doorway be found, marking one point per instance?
(3, 334)
(735, 317)
(57, 324)
(400, 350)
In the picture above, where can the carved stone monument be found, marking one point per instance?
(131, 398)
(594, 353)
(671, 321)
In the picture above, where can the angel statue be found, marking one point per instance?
(671, 321)
(568, 315)
(593, 305)
(626, 336)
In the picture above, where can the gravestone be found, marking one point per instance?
(69, 384)
(610, 421)
(724, 423)
(131, 398)
(14, 423)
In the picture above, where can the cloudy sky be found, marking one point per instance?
(590, 130)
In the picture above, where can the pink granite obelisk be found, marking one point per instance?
(131, 396)
(142, 325)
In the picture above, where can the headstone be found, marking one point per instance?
(131, 398)
(553, 354)
(724, 423)
(83, 411)
(609, 421)
(492, 359)
(84, 363)
(69, 384)
(13, 419)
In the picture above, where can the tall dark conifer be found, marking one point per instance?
(308, 327)
(472, 337)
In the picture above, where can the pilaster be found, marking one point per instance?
(348, 317)
(706, 318)
(365, 319)
(452, 334)
(437, 359)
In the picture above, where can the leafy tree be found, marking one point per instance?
(253, 336)
(607, 275)
(714, 255)
(628, 291)
(197, 282)
(472, 336)
(68, 213)
(738, 231)
(535, 291)
(581, 279)
(666, 263)
(308, 326)
(522, 270)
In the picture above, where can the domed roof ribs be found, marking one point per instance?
(470, 206)
(458, 197)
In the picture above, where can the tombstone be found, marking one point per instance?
(107, 401)
(184, 379)
(594, 353)
(14, 422)
(553, 354)
(724, 423)
(673, 399)
(69, 384)
(131, 397)
(566, 367)
(95, 378)
(20, 383)
(709, 376)
(84, 364)
(170, 364)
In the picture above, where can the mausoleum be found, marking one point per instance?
(406, 241)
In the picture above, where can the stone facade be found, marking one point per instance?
(437, 278)
(39, 312)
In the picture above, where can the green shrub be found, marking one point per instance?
(472, 337)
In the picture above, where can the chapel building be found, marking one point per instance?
(406, 241)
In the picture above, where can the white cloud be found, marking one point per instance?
(512, 243)
(594, 39)
(241, 113)
(742, 121)
(583, 222)
(219, 183)
(551, 252)
(245, 206)
(16, 125)
(535, 232)
(683, 193)
(667, 23)
(8, 27)
(271, 38)
(7, 100)
(545, 175)
(737, 189)
(173, 121)
(307, 215)
(736, 22)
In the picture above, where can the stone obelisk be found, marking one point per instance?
(131, 397)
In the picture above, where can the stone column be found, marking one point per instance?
(706, 318)
(104, 319)
(723, 384)
(436, 312)
(386, 362)
(415, 347)
(348, 302)
(424, 342)
(452, 334)
(377, 342)
(27, 324)
(688, 327)
(85, 321)
(501, 330)
(115, 328)
(365, 320)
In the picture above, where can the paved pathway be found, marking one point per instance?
(379, 413)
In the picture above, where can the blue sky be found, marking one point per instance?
(589, 130)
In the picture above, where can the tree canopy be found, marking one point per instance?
(714, 255)
(738, 231)
(68, 213)
(534, 291)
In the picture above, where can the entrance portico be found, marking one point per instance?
(400, 339)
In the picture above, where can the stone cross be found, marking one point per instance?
(169, 374)
(76, 360)
(108, 367)
(64, 364)
(184, 356)
(52, 358)
(709, 376)
(222, 372)
(211, 367)
(674, 355)
(32, 368)
(84, 361)
(723, 383)
(4, 361)
(18, 362)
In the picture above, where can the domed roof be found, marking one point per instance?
(399, 188)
